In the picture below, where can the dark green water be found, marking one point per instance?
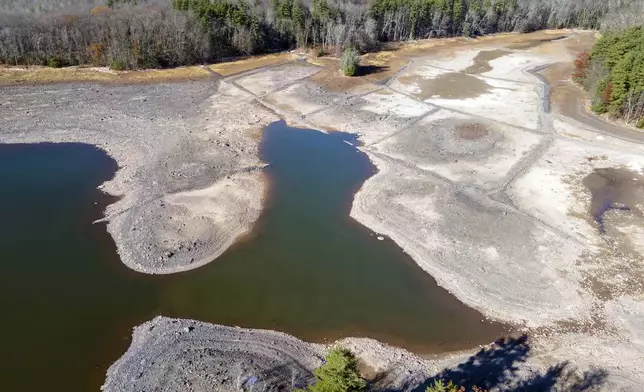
(308, 269)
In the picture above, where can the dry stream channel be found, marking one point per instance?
(306, 269)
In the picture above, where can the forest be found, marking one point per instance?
(164, 33)
(613, 74)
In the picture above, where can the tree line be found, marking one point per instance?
(164, 33)
(613, 73)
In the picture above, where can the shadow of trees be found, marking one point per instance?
(282, 377)
(499, 368)
(365, 70)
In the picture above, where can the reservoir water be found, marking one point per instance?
(307, 269)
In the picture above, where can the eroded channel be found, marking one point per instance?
(307, 269)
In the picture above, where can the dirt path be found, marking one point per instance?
(570, 101)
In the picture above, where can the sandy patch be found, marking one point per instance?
(373, 116)
(460, 148)
(268, 80)
(251, 63)
(513, 66)
(440, 225)
(494, 103)
(41, 75)
(552, 191)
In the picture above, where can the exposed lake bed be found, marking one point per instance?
(466, 211)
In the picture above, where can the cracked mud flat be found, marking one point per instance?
(486, 193)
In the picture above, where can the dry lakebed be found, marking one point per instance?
(522, 208)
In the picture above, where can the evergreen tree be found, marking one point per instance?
(339, 373)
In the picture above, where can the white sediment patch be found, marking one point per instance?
(514, 66)
(626, 314)
(374, 116)
(266, 81)
(294, 100)
(454, 62)
(440, 226)
(391, 103)
(551, 190)
(426, 68)
(505, 101)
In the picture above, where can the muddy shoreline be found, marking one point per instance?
(177, 168)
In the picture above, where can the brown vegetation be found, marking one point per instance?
(168, 33)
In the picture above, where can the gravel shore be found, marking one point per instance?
(189, 178)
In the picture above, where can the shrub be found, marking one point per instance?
(350, 62)
(96, 51)
(54, 62)
(601, 99)
(439, 386)
(582, 62)
(640, 123)
(117, 65)
(607, 93)
(320, 52)
(338, 374)
(598, 106)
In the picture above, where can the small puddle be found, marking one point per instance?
(482, 61)
(617, 189)
(451, 85)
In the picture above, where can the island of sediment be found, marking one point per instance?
(482, 179)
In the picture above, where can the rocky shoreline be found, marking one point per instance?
(189, 178)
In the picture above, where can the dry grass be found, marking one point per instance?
(333, 80)
(45, 75)
(248, 64)
(328, 62)
(382, 65)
